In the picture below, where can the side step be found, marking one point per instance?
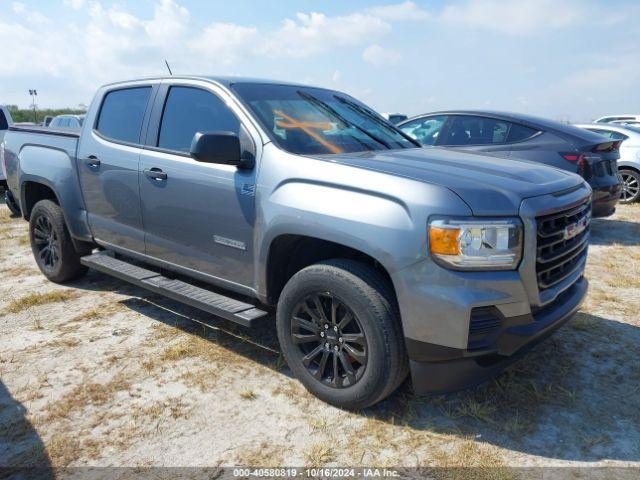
(211, 302)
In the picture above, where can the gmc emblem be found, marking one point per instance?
(574, 229)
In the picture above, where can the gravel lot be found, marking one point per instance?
(98, 372)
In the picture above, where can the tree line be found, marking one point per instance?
(26, 114)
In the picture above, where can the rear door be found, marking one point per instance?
(108, 156)
(476, 133)
(197, 216)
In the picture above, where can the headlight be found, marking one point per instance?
(476, 244)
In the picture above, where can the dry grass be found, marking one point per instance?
(248, 394)
(319, 454)
(471, 460)
(265, 455)
(85, 395)
(37, 299)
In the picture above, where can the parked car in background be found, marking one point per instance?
(380, 257)
(5, 122)
(629, 162)
(612, 118)
(527, 137)
(47, 120)
(632, 123)
(395, 118)
(73, 122)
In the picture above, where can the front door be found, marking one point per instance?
(108, 157)
(198, 216)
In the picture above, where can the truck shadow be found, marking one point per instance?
(22, 451)
(574, 397)
(614, 232)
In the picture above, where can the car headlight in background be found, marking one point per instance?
(476, 244)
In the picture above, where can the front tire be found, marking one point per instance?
(51, 243)
(630, 185)
(340, 333)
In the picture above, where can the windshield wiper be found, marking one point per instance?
(377, 120)
(332, 112)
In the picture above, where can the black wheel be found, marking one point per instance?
(630, 186)
(340, 333)
(51, 243)
(11, 203)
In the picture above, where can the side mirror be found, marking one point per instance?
(217, 147)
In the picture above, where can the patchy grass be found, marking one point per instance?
(84, 395)
(319, 454)
(37, 299)
(263, 455)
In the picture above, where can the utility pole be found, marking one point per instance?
(34, 94)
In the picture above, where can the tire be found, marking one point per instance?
(371, 343)
(630, 185)
(11, 203)
(51, 243)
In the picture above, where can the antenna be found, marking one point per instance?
(168, 67)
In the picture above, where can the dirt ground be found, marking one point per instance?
(98, 372)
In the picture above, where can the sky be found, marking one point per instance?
(568, 60)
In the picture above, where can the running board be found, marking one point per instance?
(211, 302)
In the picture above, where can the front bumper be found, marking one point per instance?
(438, 369)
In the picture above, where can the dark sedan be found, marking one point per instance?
(529, 138)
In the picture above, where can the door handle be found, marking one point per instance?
(92, 161)
(155, 173)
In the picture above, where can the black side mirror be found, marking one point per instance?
(217, 147)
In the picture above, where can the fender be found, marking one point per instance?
(54, 168)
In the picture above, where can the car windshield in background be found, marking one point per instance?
(316, 121)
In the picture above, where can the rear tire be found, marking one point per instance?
(11, 203)
(51, 243)
(630, 185)
(350, 363)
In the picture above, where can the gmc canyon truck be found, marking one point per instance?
(381, 258)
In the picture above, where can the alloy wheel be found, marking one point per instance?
(630, 187)
(330, 339)
(46, 242)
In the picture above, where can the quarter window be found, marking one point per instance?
(191, 110)
(518, 133)
(425, 130)
(122, 114)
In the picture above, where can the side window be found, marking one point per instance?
(425, 130)
(618, 136)
(468, 130)
(518, 132)
(604, 133)
(122, 113)
(4, 125)
(188, 110)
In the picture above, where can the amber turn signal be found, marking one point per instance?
(444, 241)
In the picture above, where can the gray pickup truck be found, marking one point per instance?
(236, 195)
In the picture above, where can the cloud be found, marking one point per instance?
(381, 57)
(75, 4)
(516, 17)
(399, 12)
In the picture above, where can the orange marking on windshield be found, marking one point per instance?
(307, 127)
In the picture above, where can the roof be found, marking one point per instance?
(615, 127)
(225, 81)
(523, 118)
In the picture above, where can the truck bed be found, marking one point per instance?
(44, 130)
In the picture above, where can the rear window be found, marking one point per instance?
(122, 113)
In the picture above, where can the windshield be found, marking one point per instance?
(316, 121)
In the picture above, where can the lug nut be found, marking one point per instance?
(340, 340)
(336, 348)
(326, 326)
(322, 334)
(326, 345)
(335, 329)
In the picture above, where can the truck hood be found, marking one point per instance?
(489, 185)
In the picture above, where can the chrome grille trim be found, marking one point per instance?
(559, 257)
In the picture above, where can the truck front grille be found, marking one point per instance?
(563, 238)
